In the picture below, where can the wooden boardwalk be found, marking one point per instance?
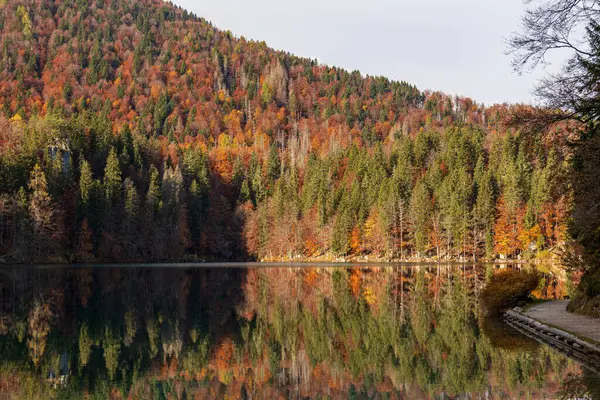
(576, 346)
(555, 313)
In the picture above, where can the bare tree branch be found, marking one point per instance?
(550, 25)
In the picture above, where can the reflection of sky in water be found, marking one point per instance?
(267, 332)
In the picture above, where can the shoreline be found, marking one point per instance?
(328, 258)
(265, 264)
(557, 341)
(561, 330)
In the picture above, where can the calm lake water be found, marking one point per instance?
(268, 331)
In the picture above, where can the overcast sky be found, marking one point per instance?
(456, 46)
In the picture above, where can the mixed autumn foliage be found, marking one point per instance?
(134, 130)
(507, 289)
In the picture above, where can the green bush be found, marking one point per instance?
(507, 288)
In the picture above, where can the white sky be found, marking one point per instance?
(456, 46)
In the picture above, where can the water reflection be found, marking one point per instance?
(361, 332)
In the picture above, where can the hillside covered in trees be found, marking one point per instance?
(133, 130)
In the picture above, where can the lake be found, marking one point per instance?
(256, 331)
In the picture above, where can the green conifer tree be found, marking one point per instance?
(112, 177)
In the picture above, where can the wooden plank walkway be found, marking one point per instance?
(558, 340)
(555, 313)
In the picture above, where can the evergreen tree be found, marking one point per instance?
(112, 177)
(420, 210)
(174, 213)
(85, 183)
(258, 187)
(273, 165)
(43, 213)
(127, 145)
(197, 211)
(244, 192)
(153, 205)
(485, 211)
(238, 172)
(130, 224)
(340, 241)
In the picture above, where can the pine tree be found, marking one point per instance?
(420, 210)
(238, 172)
(85, 182)
(342, 227)
(130, 224)
(153, 205)
(40, 205)
(273, 165)
(174, 213)
(196, 211)
(244, 192)
(258, 187)
(293, 104)
(112, 177)
(42, 212)
(485, 212)
(126, 139)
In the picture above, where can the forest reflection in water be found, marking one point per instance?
(392, 331)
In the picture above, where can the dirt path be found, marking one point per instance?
(555, 313)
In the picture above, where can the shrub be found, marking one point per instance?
(507, 288)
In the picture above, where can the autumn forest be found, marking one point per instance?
(134, 130)
(147, 158)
